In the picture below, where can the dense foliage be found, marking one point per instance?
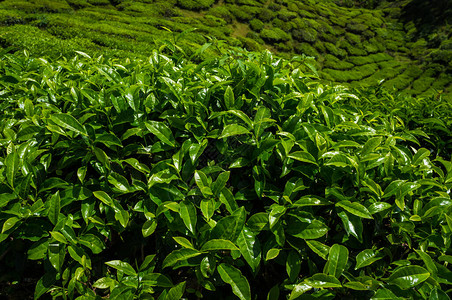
(181, 176)
(407, 43)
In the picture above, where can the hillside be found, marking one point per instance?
(353, 44)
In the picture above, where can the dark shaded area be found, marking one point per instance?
(428, 14)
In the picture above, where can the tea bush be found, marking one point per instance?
(194, 175)
(274, 35)
(195, 4)
(256, 25)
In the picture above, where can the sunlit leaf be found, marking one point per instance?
(233, 129)
(67, 121)
(355, 208)
(409, 276)
(122, 266)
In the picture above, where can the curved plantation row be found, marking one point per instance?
(353, 45)
(240, 175)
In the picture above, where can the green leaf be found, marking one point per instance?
(54, 208)
(137, 165)
(242, 116)
(207, 208)
(275, 214)
(389, 163)
(208, 266)
(384, 294)
(258, 221)
(122, 216)
(104, 197)
(371, 145)
(220, 183)
(337, 260)
(132, 97)
(249, 248)
(233, 129)
(203, 183)
(92, 242)
(56, 254)
(321, 280)
(238, 282)
(83, 54)
(227, 198)
(272, 253)
(183, 242)
(38, 250)
(187, 212)
(378, 207)
(12, 162)
(58, 237)
(44, 284)
(69, 122)
(29, 108)
(357, 286)
(146, 264)
(9, 223)
(105, 283)
(176, 292)
(303, 157)
(392, 188)
(122, 266)
(338, 160)
(69, 234)
(179, 255)
(5, 198)
(355, 208)
(308, 231)
(352, 224)
(273, 294)
(420, 155)
(79, 256)
(367, 257)
(162, 132)
(218, 244)
(108, 139)
(119, 182)
(446, 258)
(157, 279)
(309, 201)
(102, 157)
(320, 249)
(299, 290)
(408, 276)
(428, 261)
(406, 188)
(148, 227)
(81, 173)
(438, 294)
(229, 99)
(261, 120)
(293, 265)
(229, 227)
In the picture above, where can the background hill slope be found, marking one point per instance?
(407, 43)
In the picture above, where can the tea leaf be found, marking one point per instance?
(356, 209)
(233, 277)
(409, 276)
(69, 122)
